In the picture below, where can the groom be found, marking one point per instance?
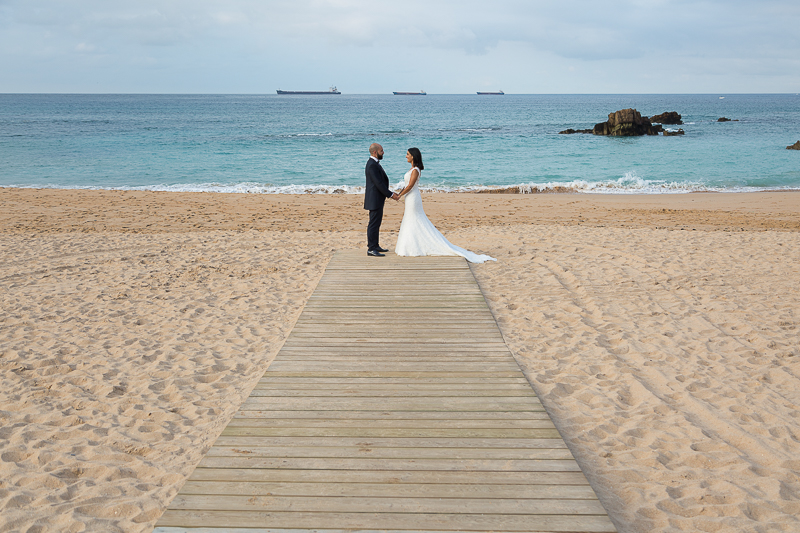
(375, 195)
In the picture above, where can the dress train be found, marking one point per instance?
(418, 236)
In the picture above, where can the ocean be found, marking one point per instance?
(319, 144)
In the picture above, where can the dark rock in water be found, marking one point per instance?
(629, 123)
(626, 123)
(795, 146)
(670, 117)
(671, 133)
(724, 119)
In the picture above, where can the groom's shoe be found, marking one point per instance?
(384, 250)
(375, 253)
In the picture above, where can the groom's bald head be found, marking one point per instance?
(374, 148)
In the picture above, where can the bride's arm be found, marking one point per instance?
(411, 181)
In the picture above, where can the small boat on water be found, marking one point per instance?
(422, 93)
(489, 92)
(332, 90)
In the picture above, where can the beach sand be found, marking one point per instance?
(661, 333)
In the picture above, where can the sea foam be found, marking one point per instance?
(630, 183)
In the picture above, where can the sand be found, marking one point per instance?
(661, 333)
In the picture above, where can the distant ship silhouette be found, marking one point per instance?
(332, 90)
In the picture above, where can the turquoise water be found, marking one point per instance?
(271, 143)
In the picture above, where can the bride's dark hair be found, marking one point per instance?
(416, 156)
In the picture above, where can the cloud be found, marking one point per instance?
(593, 38)
(581, 29)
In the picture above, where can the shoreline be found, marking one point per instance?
(79, 210)
(599, 188)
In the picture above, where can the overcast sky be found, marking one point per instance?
(450, 46)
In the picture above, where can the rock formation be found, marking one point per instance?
(670, 117)
(795, 146)
(671, 133)
(571, 131)
(629, 123)
(724, 119)
(626, 123)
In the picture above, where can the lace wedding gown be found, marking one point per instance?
(418, 236)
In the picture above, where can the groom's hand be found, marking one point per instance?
(395, 196)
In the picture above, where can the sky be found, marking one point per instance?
(448, 46)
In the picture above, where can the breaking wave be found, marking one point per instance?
(628, 184)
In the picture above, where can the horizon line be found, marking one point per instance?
(720, 93)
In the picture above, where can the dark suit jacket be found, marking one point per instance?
(377, 186)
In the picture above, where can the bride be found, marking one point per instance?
(418, 236)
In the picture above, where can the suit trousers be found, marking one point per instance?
(374, 228)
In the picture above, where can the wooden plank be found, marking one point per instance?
(393, 442)
(368, 504)
(395, 342)
(392, 404)
(384, 350)
(406, 318)
(388, 520)
(368, 432)
(395, 364)
(382, 374)
(425, 296)
(383, 385)
(448, 329)
(485, 423)
(360, 316)
(393, 411)
(390, 366)
(391, 490)
(420, 416)
(384, 393)
(444, 381)
(394, 357)
(390, 453)
(310, 463)
(389, 477)
(468, 336)
(366, 452)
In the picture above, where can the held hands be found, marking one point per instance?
(395, 196)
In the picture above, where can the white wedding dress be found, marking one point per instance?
(418, 236)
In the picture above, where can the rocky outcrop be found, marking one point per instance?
(670, 117)
(668, 133)
(725, 119)
(571, 131)
(626, 123)
(629, 123)
(795, 146)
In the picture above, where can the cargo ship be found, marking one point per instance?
(332, 90)
(498, 92)
(422, 93)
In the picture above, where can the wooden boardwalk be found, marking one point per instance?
(394, 405)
